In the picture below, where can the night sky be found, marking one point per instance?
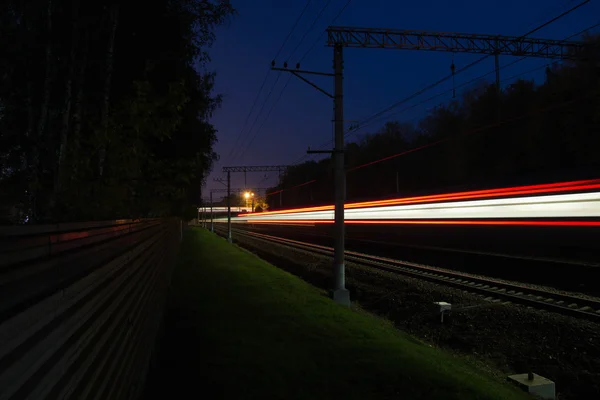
(373, 78)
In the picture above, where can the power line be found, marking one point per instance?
(551, 12)
(249, 113)
(372, 118)
(583, 31)
(310, 28)
(267, 117)
(439, 141)
(293, 28)
(418, 93)
(233, 148)
(570, 10)
(323, 33)
(296, 48)
(306, 54)
(447, 77)
(474, 130)
(369, 120)
(473, 80)
(444, 93)
(258, 115)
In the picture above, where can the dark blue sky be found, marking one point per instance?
(373, 78)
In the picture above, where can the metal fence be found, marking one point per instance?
(80, 306)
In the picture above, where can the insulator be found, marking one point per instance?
(273, 63)
(285, 64)
(452, 67)
(297, 65)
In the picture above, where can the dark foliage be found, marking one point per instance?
(104, 107)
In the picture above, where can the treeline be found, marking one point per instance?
(105, 107)
(524, 134)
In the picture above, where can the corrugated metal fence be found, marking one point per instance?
(80, 306)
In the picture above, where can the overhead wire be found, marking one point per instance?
(583, 31)
(475, 79)
(240, 134)
(298, 45)
(439, 141)
(430, 86)
(244, 148)
(373, 118)
(545, 24)
(377, 116)
(309, 28)
(293, 28)
(323, 33)
(267, 117)
(416, 94)
(264, 103)
(479, 129)
(317, 39)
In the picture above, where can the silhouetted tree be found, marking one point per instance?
(105, 107)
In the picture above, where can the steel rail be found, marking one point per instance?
(491, 288)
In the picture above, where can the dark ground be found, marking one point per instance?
(510, 338)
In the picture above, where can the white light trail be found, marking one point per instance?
(577, 205)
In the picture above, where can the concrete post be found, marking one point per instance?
(340, 293)
(229, 207)
(212, 227)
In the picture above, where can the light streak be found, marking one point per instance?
(468, 195)
(542, 205)
(436, 222)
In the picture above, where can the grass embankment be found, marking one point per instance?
(238, 327)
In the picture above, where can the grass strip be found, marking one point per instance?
(238, 327)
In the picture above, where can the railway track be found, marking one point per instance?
(491, 289)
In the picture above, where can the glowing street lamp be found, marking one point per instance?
(247, 195)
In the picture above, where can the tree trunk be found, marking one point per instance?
(64, 134)
(27, 159)
(78, 110)
(114, 20)
(46, 98)
(26, 142)
(36, 141)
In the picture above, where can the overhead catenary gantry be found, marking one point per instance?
(340, 37)
(245, 169)
(403, 39)
(256, 168)
(228, 190)
(496, 45)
